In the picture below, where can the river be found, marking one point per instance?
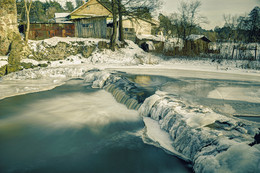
(75, 128)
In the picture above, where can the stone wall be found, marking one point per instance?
(8, 25)
(42, 51)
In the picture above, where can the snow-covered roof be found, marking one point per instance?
(86, 16)
(194, 37)
(59, 15)
(150, 37)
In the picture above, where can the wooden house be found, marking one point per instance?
(93, 8)
(91, 19)
(197, 44)
(101, 8)
(95, 27)
(140, 26)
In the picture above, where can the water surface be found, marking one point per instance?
(74, 128)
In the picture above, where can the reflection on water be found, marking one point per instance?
(255, 119)
(74, 128)
(236, 97)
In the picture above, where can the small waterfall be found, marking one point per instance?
(122, 97)
(124, 90)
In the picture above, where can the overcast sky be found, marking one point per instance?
(214, 9)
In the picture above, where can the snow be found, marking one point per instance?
(210, 140)
(69, 40)
(213, 142)
(3, 63)
(34, 62)
(150, 37)
(195, 37)
(58, 15)
(236, 93)
(3, 58)
(155, 133)
(226, 50)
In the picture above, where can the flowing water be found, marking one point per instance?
(74, 128)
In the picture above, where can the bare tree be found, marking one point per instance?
(120, 22)
(188, 18)
(114, 34)
(231, 22)
(27, 4)
(136, 9)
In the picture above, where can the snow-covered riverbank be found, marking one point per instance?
(200, 135)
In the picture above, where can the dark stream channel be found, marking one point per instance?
(49, 132)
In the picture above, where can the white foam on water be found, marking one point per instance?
(78, 110)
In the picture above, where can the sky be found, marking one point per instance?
(214, 9)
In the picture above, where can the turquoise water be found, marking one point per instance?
(74, 128)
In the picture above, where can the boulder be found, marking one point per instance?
(8, 25)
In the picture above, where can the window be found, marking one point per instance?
(129, 29)
(88, 25)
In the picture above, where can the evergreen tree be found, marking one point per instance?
(69, 6)
(254, 24)
(79, 3)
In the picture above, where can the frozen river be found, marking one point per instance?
(226, 93)
(75, 128)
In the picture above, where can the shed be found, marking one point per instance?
(197, 44)
(92, 26)
(39, 31)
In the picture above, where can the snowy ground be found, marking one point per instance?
(3, 61)
(131, 59)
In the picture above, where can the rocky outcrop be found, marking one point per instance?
(17, 47)
(44, 50)
(8, 25)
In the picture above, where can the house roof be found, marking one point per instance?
(105, 3)
(88, 16)
(151, 21)
(194, 37)
(59, 15)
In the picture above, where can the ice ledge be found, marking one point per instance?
(213, 142)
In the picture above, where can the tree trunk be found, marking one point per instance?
(27, 9)
(113, 36)
(121, 29)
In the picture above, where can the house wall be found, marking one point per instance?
(196, 47)
(91, 8)
(92, 27)
(40, 31)
(141, 27)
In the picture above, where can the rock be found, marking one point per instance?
(43, 65)
(43, 51)
(27, 65)
(17, 48)
(8, 25)
(103, 45)
(88, 51)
